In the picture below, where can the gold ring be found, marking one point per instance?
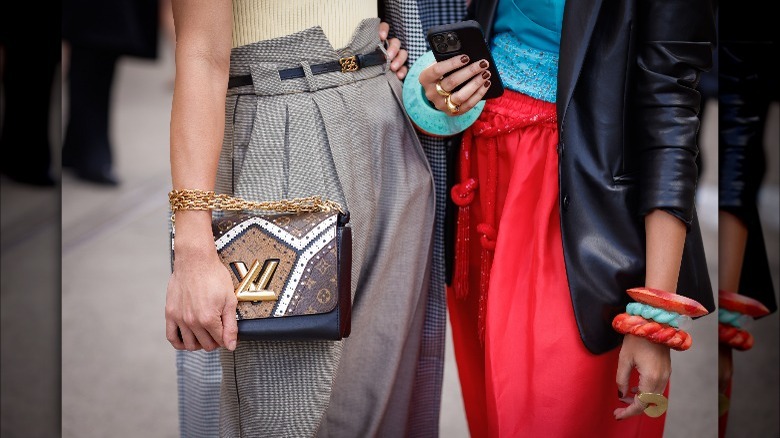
(442, 92)
(656, 403)
(454, 109)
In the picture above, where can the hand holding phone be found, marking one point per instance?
(465, 38)
(464, 73)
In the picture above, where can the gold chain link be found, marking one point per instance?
(189, 199)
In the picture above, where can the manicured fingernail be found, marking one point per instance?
(232, 345)
(487, 84)
(464, 59)
(620, 394)
(483, 64)
(485, 75)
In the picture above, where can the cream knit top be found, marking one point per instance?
(255, 20)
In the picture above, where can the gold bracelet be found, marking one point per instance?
(194, 199)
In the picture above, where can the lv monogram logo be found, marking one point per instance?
(253, 282)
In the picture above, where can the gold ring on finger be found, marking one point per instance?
(454, 109)
(442, 92)
(656, 404)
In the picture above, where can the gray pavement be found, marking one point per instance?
(118, 371)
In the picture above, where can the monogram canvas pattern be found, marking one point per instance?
(305, 278)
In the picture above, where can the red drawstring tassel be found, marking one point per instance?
(462, 195)
(488, 231)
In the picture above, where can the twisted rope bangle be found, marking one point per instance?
(652, 331)
(735, 338)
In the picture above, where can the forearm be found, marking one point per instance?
(197, 115)
(732, 239)
(665, 241)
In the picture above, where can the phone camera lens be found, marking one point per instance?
(441, 47)
(438, 38)
(452, 39)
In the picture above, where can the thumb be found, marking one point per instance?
(229, 324)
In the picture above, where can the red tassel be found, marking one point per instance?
(488, 239)
(462, 195)
(461, 275)
(484, 283)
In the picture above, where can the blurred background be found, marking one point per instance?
(118, 375)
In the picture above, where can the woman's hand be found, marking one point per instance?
(395, 53)
(200, 308)
(475, 76)
(654, 365)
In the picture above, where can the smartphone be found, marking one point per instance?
(465, 38)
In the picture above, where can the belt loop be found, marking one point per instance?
(310, 79)
(265, 79)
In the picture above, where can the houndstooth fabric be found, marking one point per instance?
(409, 21)
(318, 135)
(199, 373)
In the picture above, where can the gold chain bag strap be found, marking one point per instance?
(290, 260)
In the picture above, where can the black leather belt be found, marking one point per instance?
(344, 65)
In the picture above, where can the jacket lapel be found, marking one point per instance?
(579, 19)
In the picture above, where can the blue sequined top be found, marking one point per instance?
(526, 45)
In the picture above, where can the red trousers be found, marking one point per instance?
(523, 368)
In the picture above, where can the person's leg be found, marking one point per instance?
(24, 142)
(87, 148)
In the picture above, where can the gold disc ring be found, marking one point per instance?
(656, 403)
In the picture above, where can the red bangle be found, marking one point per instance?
(734, 337)
(652, 331)
(668, 301)
(742, 304)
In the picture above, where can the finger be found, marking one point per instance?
(173, 335)
(432, 74)
(213, 326)
(461, 76)
(401, 73)
(636, 408)
(623, 375)
(190, 341)
(384, 29)
(399, 61)
(229, 325)
(653, 380)
(393, 47)
(472, 92)
(204, 338)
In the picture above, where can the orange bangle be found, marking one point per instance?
(668, 301)
(735, 338)
(653, 331)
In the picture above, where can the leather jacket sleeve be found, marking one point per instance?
(674, 46)
(744, 103)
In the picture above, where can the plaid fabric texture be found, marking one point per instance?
(409, 21)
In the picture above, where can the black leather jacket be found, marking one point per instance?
(627, 117)
(748, 82)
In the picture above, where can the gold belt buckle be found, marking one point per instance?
(349, 64)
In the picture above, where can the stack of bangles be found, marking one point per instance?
(735, 315)
(659, 317)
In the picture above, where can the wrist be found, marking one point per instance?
(193, 235)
